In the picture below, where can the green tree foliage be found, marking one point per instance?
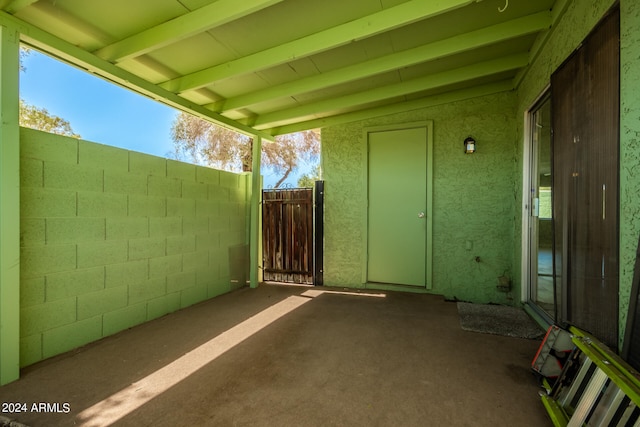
(39, 118)
(308, 180)
(203, 143)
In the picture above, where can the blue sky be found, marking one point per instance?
(101, 111)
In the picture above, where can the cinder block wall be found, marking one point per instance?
(112, 238)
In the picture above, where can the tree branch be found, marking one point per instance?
(281, 180)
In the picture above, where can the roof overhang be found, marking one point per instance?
(270, 67)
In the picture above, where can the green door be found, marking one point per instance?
(397, 223)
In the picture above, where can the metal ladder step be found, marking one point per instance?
(595, 388)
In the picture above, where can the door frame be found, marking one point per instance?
(525, 274)
(428, 125)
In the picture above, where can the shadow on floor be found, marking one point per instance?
(286, 355)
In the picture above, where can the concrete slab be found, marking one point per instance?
(287, 355)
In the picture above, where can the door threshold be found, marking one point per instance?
(538, 315)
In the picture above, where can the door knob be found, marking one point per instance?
(421, 215)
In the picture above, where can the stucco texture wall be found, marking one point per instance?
(112, 238)
(473, 198)
(629, 148)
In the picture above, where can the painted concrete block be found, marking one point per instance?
(30, 349)
(147, 248)
(101, 253)
(145, 164)
(126, 273)
(147, 290)
(99, 156)
(116, 181)
(181, 170)
(206, 276)
(231, 208)
(104, 301)
(238, 196)
(237, 223)
(32, 231)
(231, 238)
(207, 208)
(164, 227)
(195, 261)
(31, 172)
(42, 317)
(73, 283)
(195, 190)
(224, 271)
(207, 241)
(147, 206)
(181, 207)
(127, 227)
(219, 287)
(73, 177)
(193, 295)
(181, 244)
(36, 261)
(195, 225)
(165, 266)
(46, 203)
(217, 192)
(229, 179)
(43, 145)
(124, 318)
(95, 204)
(68, 337)
(32, 291)
(219, 258)
(207, 175)
(180, 281)
(75, 229)
(160, 306)
(164, 187)
(219, 222)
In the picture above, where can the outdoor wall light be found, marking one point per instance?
(469, 145)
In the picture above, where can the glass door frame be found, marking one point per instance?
(529, 226)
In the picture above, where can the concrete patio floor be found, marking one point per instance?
(290, 356)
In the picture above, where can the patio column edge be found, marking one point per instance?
(9, 205)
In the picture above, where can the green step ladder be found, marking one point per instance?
(596, 388)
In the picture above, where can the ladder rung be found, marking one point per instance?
(608, 406)
(588, 398)
(628, 414)
(580, 377)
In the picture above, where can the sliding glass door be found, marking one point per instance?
(541, 289)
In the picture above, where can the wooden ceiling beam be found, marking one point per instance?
(367, 26)
(429, 52)
(182, 27)
(86, 61)
(398, 107)
(16, 5)
(432, 81)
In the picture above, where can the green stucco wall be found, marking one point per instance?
(629, 148)
(479, 198)
(473, 197)
(112, 238)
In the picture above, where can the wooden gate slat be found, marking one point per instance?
(288, 235)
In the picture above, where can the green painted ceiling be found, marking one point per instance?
(278, 66)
